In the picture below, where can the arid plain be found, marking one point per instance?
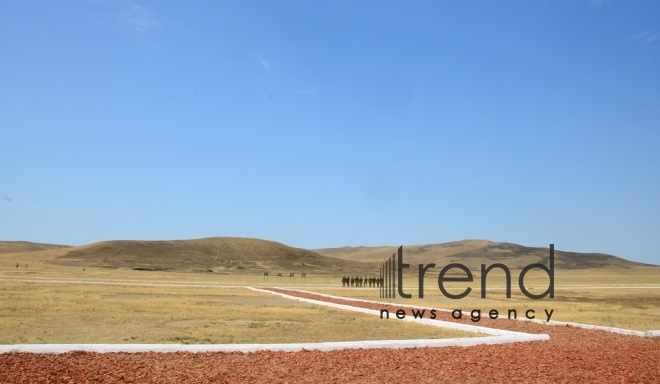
(194, 291)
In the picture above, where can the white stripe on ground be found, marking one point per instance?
(42, 278)
(288, 347)
(125, 283)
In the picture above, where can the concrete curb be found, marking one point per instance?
(289, 347)
(124, 282)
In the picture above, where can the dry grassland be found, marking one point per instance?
(82, 311)
(124, 310)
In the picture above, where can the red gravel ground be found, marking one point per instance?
(573, 355)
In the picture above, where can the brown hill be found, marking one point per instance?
(26, 246)
(216, 254)
(473, 253)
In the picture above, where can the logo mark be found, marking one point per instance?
(391, 273)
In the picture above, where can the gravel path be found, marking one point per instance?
(572, 355)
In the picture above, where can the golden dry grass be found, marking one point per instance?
(41, 312)
(75, 312)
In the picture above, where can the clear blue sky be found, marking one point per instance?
(323, 124)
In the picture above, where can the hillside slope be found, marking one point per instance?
(216, 254)
(473, 253)
(26, 246)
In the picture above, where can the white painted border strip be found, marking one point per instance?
(124, 283)
(43, 279)
(621, 331)
(287, 347)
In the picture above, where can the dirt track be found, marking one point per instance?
(572, 355)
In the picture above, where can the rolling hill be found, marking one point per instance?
(26, 246)
(236, 255)
(216, 254)
(473, 253)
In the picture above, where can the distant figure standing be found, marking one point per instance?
(16, 265)
(25, 265)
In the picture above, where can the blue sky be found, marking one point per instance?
(323, 124)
